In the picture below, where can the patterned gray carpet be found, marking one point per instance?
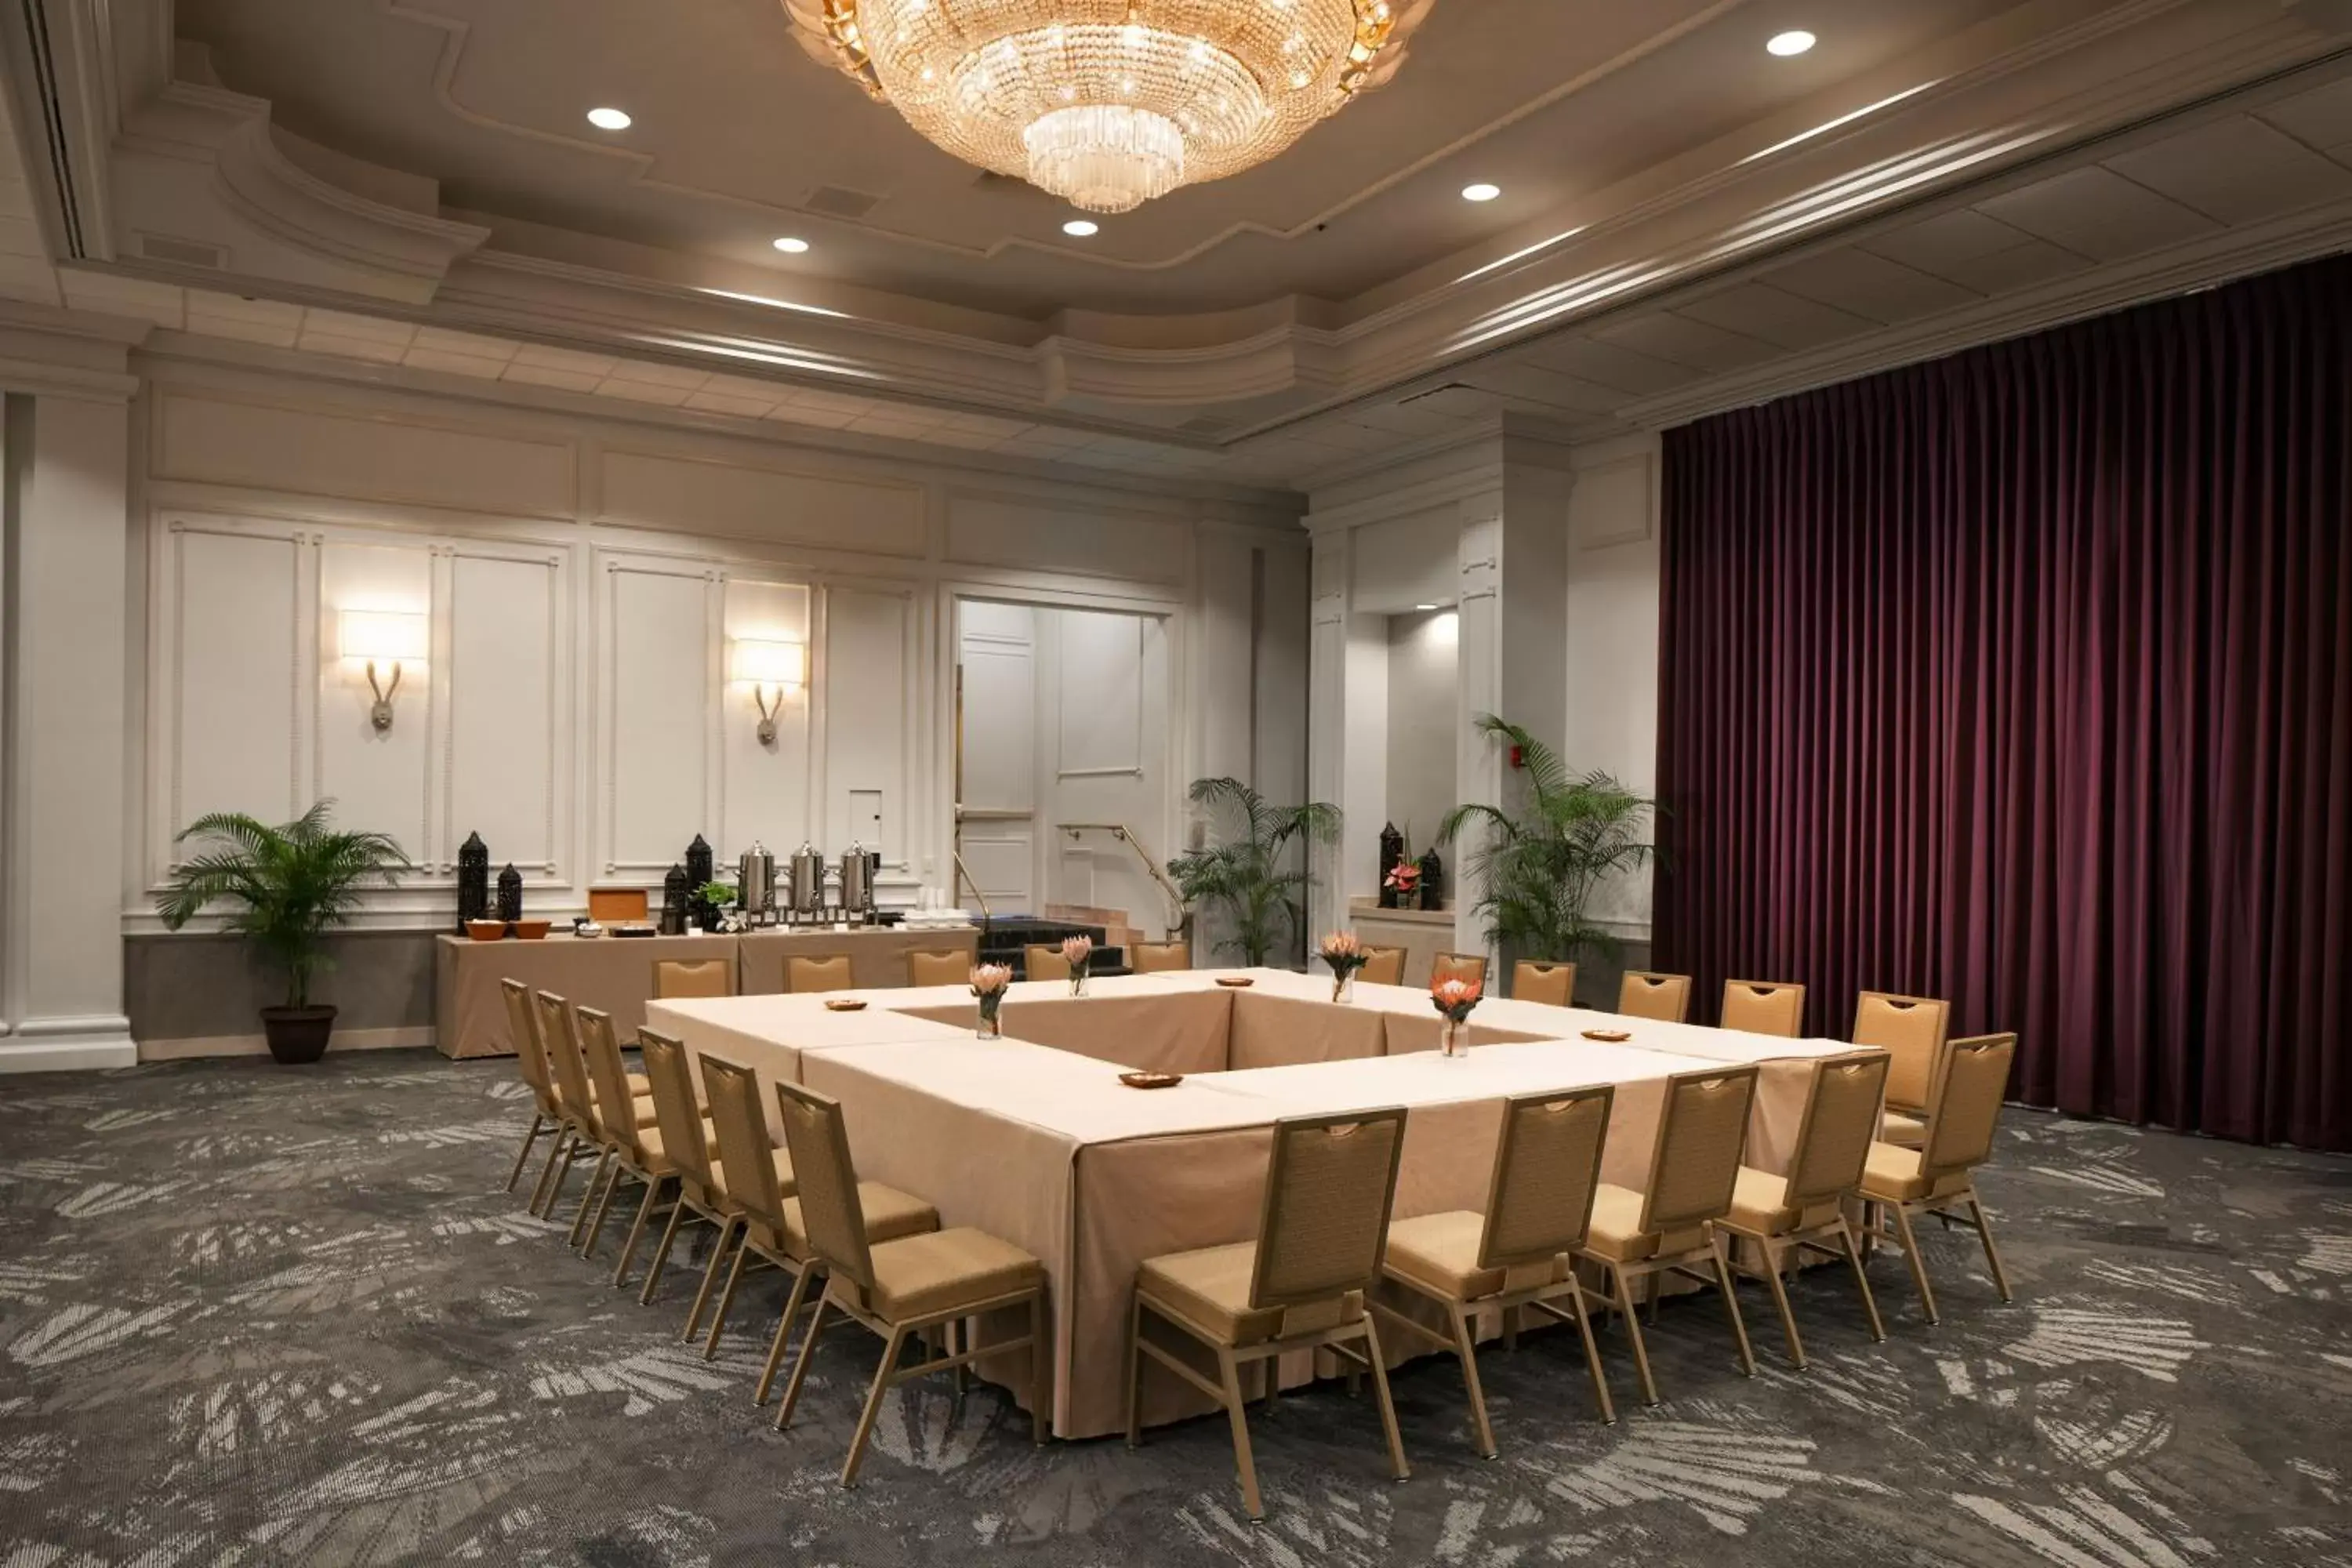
(261, 1315)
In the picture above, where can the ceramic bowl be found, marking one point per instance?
(530, 931)
(486, 931)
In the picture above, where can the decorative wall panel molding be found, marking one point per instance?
(997, 529)
(735, 499)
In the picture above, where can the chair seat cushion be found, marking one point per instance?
(1616, 1231)
(1439, 1252)
(1209, 1287)
(649, 1139)
(944, 1270)
(639, 1084)
(1895, 1175)
(889, 1213)
(1760, 1201)
(1903, 1131)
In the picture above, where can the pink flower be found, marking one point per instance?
(988, 979)
(1453, 992)
(1403, 876)
(1077, 949)
(1342, 944)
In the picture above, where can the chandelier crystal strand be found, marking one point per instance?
(1109, 103)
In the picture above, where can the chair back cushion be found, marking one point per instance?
(747, 1153)
(1701, 1135)
(1465, 966)
(522, 1028)
(1328, 1195)
(680, 977)
(827, 1181)
(1546, 1168)
(1665, 997)
(617, 1115)
(802, 976)
(1040, 960)
(677, 1113)
(1910, 1030)
(1762, 1007)
(1159, 957)
(1841, 1121)
(939, 969)
(566, 1068)
(1974, 1076)
(1382, 966)
(1553, 984)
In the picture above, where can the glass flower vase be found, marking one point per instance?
(1343, 986)
(1077, 982)
(988, 1028)
(1454, 1039)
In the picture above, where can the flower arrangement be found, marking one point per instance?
(1344, 954)
(1403, 879)
(1453, 997)
(988, 983)
(1079, 952)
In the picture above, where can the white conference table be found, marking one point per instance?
(1035, 1141)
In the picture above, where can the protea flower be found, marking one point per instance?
(1454, 996)
(990, 979)
(1078, 951)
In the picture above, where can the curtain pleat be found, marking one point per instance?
(2024, 679)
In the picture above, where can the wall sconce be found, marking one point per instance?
(389, 635)
(770, 669)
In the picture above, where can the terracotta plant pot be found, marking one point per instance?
(530, 931)
(486, 931)
(298, 1035)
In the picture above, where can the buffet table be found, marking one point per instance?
(1032, 1138)
(615, 975)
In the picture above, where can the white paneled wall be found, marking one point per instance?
(582, 581)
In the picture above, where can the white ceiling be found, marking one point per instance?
(405, 187)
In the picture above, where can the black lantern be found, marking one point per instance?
(1433, 881)
(673, 915)
(509, 894)
(699, 871)
(1391, 852)
(473, 880)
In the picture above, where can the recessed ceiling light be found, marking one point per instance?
(608, 118)
(1081, 229)
(1481, 192)
(1425, 606)
(1794, 42)
(792, 246)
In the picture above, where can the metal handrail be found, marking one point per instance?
(964, 875)
(1126, 836)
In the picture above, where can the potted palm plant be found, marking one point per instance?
(1541, 863)
(1247, 877)
(286, 887)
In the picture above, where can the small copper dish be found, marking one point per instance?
(1609, 1036)
(1235, 982)
(845, 1004)
(530, 931)
(1151, 1080)
(486, 931)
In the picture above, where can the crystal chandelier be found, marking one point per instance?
(1108, 104)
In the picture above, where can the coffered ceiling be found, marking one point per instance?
(1685, 221)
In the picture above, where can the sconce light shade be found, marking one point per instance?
(386, 635)
(760, 663)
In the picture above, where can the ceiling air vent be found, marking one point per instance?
(834, 201)
(182, 252)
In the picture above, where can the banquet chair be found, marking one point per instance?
(1665, 998)
(939, 969)
(1382, 966)
(1301, 1285)
(546, 1115)
(1669, 1227)
(1938, 1177)
(1159, 957)
(804, 975)
(1553, 984)
(700, 1192)
(591, 1120)
(1783, 1217)
(1044, 960)
(1465, 966)
(758, 1177)
(638, 1148)
(1515, 1255)
(899, 1289)
(1910, 1030)
(1760, 1007)
(678, 978)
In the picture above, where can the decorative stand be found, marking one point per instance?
(1433, 881)
(473, 880)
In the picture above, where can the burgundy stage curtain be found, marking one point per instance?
(2024, 679)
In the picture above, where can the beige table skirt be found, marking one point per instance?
(615, 975)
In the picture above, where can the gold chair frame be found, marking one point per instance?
(1911, 1030)
(700, 1193)
(1959, 1139)
(1469, 966)
(953, 968)
(1647, 994)
(1548, 984)
(684, 979)
(1044, 960)
(1159, 957)
(547, 1109)
(1289, 1186)
(808, 976)
(1382, 966)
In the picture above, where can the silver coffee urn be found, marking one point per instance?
(756, 884)
(805, 896)
(857, 886)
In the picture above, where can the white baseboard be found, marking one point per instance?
(258, 1045)
(22, 1053)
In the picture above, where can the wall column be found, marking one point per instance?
(63, 693)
